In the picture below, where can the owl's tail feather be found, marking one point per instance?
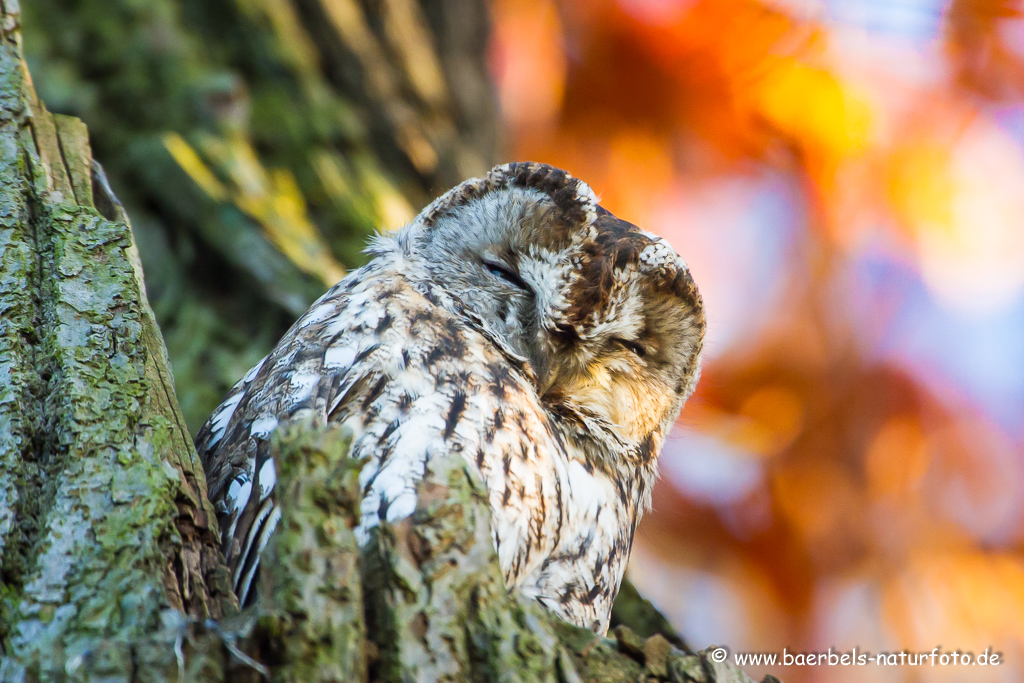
(259, 534)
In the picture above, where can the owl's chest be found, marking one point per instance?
(583, 555)
(432, 388)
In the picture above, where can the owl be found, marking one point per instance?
(516, 322)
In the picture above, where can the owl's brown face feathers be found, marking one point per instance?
(607, 315)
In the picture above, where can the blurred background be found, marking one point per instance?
(845, 180)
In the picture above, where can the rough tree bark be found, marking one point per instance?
(110, 566)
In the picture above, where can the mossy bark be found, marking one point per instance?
(104, 522)
(108, 543)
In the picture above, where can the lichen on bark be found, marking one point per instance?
(311, 576)
(103, 521)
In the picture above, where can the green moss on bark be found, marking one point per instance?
(315, 604)
(102, 516)
(431, 604)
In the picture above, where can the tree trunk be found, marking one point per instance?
(104, 521)
(108, 544)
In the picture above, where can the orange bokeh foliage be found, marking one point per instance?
(841, 477)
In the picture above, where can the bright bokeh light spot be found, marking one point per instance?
(965, 208)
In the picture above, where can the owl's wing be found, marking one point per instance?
(322, 362)
(412, 382)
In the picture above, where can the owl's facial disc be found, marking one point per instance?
(607, 315)
(633, 363)
(623, 341)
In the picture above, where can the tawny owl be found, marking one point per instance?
(514, 321)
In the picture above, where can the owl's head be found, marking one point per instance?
(607, 315)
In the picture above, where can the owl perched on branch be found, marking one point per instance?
(515, 321)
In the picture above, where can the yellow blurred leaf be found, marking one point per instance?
(275, 202)
(190, 162)
(811, 105)
(921, 185)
